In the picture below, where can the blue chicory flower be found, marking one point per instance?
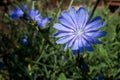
(41, 21)
(25, 40)
(34, 14)
(94, 79)
(1, 65)
(100, 78)
(75, 30)
(17, 13)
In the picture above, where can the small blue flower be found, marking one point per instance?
(84, 67)
(34, 14)
(94, 79)
(17, 13)
(75, 30)
(25, 40)
(100, 78)
(41, 21)
(1, 65)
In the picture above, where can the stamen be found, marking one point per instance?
(79, 32)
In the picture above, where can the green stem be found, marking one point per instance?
(59, 9)
(57, 13)
(71, 2)
(94, 8)
(42, 64)
(41, 53)
(47, 40)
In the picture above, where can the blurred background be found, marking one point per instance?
(37, 59)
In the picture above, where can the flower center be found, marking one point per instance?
(79, 32)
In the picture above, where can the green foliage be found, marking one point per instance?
(62, 77)
(43, 59)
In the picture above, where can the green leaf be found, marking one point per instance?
(62, 77)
